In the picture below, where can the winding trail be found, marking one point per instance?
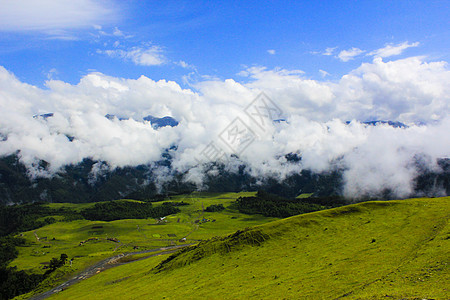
(105, 264)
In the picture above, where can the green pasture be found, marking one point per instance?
(374, 250)
(133, 234)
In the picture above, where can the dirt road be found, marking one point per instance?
(105, 264)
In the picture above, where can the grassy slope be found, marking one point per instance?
(68, 235)
(368, 250)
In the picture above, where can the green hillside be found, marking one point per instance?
(389, 250)
(65, 237)
(88, 242)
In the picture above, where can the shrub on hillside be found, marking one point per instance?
(215, 208)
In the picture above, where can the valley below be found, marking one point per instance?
(370, 250)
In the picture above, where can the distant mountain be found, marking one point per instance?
(161, 122)
(154, 121)
(112, 117)
(394, 124)
(43, 116)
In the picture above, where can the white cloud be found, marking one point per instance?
(52, 73)
(54, 18)
(271, 52)
(407, 90)
(118, 32)
(184, 65)
(346, 55)
(115, 32)
(329, 51)
(151, 56)
(324, 73)
(391, 50)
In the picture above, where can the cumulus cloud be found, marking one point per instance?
(313, 122)
(143, 56)
(346, 55)
(391, 49)
(54, 17)
(271, 51)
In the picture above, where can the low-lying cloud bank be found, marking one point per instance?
(311, 122)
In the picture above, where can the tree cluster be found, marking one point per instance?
(56, 263)
(117, 210)
(19, 218)
(215, 208)
(13, 282)
(271, 205)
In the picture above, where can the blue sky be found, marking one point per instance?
(210, 39)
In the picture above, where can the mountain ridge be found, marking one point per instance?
(77, 183)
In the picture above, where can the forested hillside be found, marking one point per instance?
(78, 183)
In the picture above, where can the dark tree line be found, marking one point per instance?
(117, 210)
(215, 208)
(19, 218)
(13, 282)
(271, 205)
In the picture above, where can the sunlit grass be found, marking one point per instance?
(303, 196)
(65, 237)
(393, 249)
